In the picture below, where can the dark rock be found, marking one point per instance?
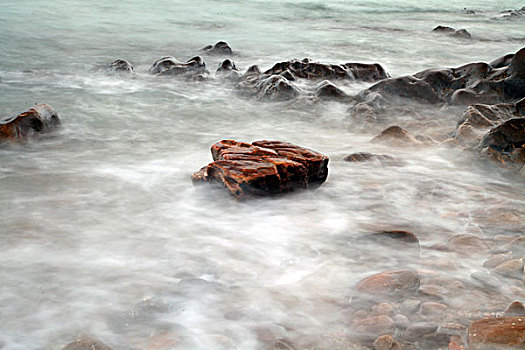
(444, 29)
(275, 87)
(263, 168)
(515, 309)
(497, 333)
(514, 83)
(170, 66)
(86, 343)
(394, 135)
(461, 33)
(120, 66)
(419, 329)
(40, 118)
(226, 66)
(390, 283)
(506, 142)
(365, 156)
(386, 342)
(220, 48)
(510, 14)
(502, 61)
(433, 309)
(328, 91)
(382, 309)
(288, 75)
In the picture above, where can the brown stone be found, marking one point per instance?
(38, 119)
(365, 156)
(433, 309)
(496, 260)
(372, 327)
(512, 268)
(467, 244)
(386, 342)
(419, 329)
(390, 283)
(395, 135)
(506, 332)
(515, 309)
(86, 343)
(517, 246)
(382, 309)
(263, 168)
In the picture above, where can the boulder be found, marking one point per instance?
(226, 66)
(220, 48)
(497, 333)
(263, 168)
(120, 66)
(170, 66)
(515, 309)
(390, 283)
(467, 244)
(275, 87)
(505, 143)
(40, 118)
(328, 91)
(511, 268)
(394, 135)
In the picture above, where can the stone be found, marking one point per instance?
(394, 135)
(404, 242)
(220, 48)
(372, 327)
(410, 306)
(390, 283)
(386, 342)
(119, 66)
(433, 292)
(419, 329)
(443, 29)
(505, 142)
(401, 321)
(226, 66)
(328, 91)
(263, 168)
(466, 244)
(515, 309)
(512, 268)
(497, 333)
(86, 343)
(433, 309)
(275, 87)
(517, 246)
(461, 33)
(496, 260)
(170, 66)
(40, 118)
(382, 309)
(366, 157)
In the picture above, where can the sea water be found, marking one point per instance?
(102, 233)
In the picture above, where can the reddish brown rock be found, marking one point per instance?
(467, 244)
(390, 283)
(419, 329)
(498, 332)
(506, 142)
(386, 342)
(512, 268)
(372, 327)
(86, 343)
(263, 168)
(365, 156)
(382, 309)
(38, 119)
(395, 135)
(433, 309)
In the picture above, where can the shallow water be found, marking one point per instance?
(102, 231)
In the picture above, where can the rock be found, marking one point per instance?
(372, 327)
(86, 343)
(386, 342)
(313, 70)
(390, 283)
(497, 333)
(512, 268)
(382, 309)
(433, 309)
(467, 244)
(506, 142)
(502, 61)
(452, 329)
(40, 118)
(517, 246)
(220, 48)
(365, 156)
(394, 135)
(263, 168)
(509, 14)
(433, 292)
(275, 87)
(226, 66)
(496, 260)
(461, 33)
(404, 242)
(328, 91)
(515, 309)
(419, 329)
(119, 65)
(410, 306)
(401, 321)
(443, 29)
(514, 83)
(170, 66)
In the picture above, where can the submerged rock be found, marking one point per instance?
(120, 65)
(366, 157)
(390, 283)
(394, 135)
(86, 343)
(497, 333)
(461, 33)
(170, 66)
(515, 309)
(263, 168)
(372, 327)
(40, 118)
(220, 48)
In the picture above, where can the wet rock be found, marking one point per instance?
(517, 246)
(119, 65)
(220, 48)
(314, 70)
(486, 280)
(443, 29)
(515, 309)
(496, 260)
(38, 119)
(372, 327)
(386, 342)
(275, 87)
(419, 329)
(433, 292)
(328, 91)
(467, 244)
(452, 329)
(410, 306)
(365, 156)
(86, 343)
(390, 283)
(284, 344)
(401, 321)
(170, 66)
(226, 66)
(461, 33)
(382, 309)
(497, 333)
(263, 168)
(433, 309)
(512, 268)
(509, 14)
(506, 142)
(394, 135)
(404, 242)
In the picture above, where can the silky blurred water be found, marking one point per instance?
(102, 232)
